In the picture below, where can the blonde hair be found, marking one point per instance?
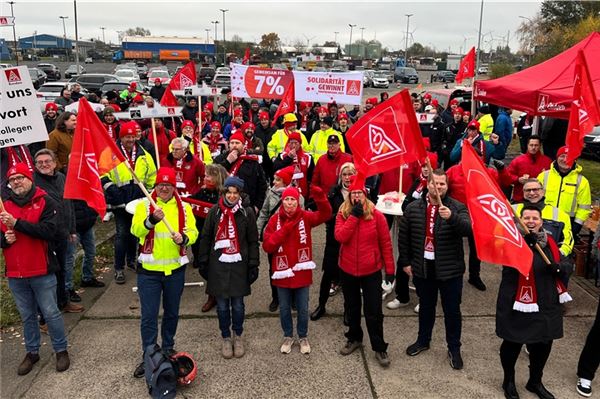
(368, 207)
(219, 173)
(346, 165)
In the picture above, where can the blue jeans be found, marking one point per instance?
(231, 312)
(451, 295)
(88, 242)
(285, 310)
(31, 293)
(151, 287)
(125, 243)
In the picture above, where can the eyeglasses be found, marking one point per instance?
(16, 179)
(46, 162)
(163, 186)
(531, 190)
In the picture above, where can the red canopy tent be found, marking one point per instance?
(546, 88)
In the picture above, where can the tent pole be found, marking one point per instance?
(536, 126)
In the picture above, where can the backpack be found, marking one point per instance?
(160, 374)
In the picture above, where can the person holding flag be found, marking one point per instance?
(528, 310)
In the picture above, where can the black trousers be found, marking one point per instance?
(590, 355)
(474, 262)
(274, 293)
(371, 286)
(538, 355)
(331, 274)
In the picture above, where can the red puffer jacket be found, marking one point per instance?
(526, 164)
(327, 170)
(366, 245)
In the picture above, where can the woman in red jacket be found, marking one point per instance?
(366, 247)
(288, 238)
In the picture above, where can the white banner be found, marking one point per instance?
(326, 87)
(255, 82)
(143, 112)
(20, 115)
(7, 21)
(196, 91)
(74, 107)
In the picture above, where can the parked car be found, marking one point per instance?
(72, 71)
(128, 75)
(118, 87)
(89, 60)
(368, 78)
(222, 70)
(483, 70)
(38, 77)
(4, 66)
(142, 70)
(93, 81)
(591, 143)
(51, 70)
(406, 75)
(50, 91)
(222, 79)
(380, 80)
(161, 74)
(443, 96)
(443, 76)
(319, 69)
(206, 74)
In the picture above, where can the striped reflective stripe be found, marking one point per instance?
(574, 199)
(162, 262)
(586, 207)
(554, 213)
(546, 174)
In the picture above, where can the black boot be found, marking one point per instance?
(509, 387)
(539, 389)
(318, 313)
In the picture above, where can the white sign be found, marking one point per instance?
(7, 21)
(20, 115)
(326, 87)
(74, 107)
(158, 111)
(196, 91)
(425, 118)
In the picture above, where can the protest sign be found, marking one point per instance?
(74, 107)
(7, 21)
(255, 82)
(325, 87)
(144, 112)
(197, 91)
(22, 121)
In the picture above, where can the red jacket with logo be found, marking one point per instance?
(189, 173)
(29, 255)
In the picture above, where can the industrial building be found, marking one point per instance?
(53, 45)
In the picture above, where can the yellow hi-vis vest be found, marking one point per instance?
(279, 140)
(144, 169)
(318, 142)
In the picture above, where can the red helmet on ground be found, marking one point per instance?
(185, 366)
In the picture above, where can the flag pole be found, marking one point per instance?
(155, 144)
(437, 193)
(537, 246)
(2, 209)
(400, 181)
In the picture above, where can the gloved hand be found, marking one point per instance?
(357, 210)
(554, 268)
(252, 274)
(389, 278)
(499, 165)
(530, 239)
(203, 270)
(317, 192)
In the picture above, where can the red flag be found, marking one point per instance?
(496, 236)
(584, 110)
(387, 136)
(93, 154)
(246, 60)
(287, 104)
(186, 77)
(466, 68)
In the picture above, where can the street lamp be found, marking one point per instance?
(12, 13)
(65, 35)
(103, 38)
(215, 40)
(406, 39)
(224, 51)
(206, 46)
(76, 37)
(335, 33)
(350, 46)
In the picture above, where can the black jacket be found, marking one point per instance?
(528, 328)
(332, 246)
(255, 183)
(157, 92)
(449, 254)
(189, 113)
(55, 187)
(85, 217)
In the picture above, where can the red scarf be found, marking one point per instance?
(130, 160)
(526, 296)
(110, 130)
(420, 187)
(148, 247)
(296, 250)
(238, 163)
(429, 250)
(24, 156)
(214, 142)
(227, 233)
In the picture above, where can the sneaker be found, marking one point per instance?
(93, 283)
(273, 305)
(70, 307)
(120, 277)
(139, 371)
(108, 216)
(455, 359)
(62, 361)
(396, 304)
(74, 296)
(584, 387)
(304, 346)
(227, 349)
(238, 347)
(383, 359)
(350, 347)
(27, 363)
(286, 346)
(416, 348)
(416, 309)
(334, 290)
(477, 283)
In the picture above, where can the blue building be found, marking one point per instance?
(53, 44)
(5, 52)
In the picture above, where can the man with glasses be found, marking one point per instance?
(189, 170)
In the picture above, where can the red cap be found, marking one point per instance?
(294, 136)
(138, 99)
(187, 123)
(248, 125)
(215, 125)
(474, 124)
(19, 169)
(132, 85)
(467, 113)
(303, 105)
(291, 192)
(457, 110)
(263, 115)
(372, 101)
(324, 109)
(357, 183)
(237, 112)
(286, 174)
(50, 106)
(454, 101)
(209, 106)
(128, 128)
(239, 136)
(435, 102)
(562, 150)
(157, 80)
(342, 116)
(427, 95)
(166, 175)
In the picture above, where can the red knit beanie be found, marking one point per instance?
(19, 169)
(128, 128)
(166, 175)
(239, 136)
(286, 174)
(291, 192)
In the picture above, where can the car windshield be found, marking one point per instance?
(158, 74)
(380, 74)
(73, 68)
(125, 73)
(411, 70)
(51, 88)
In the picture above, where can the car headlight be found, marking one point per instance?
(596, 139)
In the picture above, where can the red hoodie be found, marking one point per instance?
(526, 164)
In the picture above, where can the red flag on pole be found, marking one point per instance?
(246, 60)
(496, 236)
(186, 77)
(585, 113)
(287, 104)
(93, 154)
(387, 136)
(466, 68)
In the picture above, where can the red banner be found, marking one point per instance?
(287, 104)
(387, 136)
(186, 77)
(255, 82)
(496, 235)
(467, 66)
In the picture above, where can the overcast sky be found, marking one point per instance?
(441, 24)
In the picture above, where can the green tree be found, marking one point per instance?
(330, 44)
(137, 31)
(499, 70)
(270, 42)
(416, 49)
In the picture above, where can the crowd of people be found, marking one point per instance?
(233, 181)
